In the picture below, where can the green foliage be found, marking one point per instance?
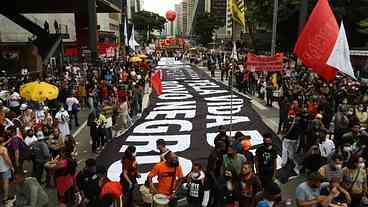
(204, 27)
(144, 21)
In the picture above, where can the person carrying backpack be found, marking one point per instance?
(64, 168)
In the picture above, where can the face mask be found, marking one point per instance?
(268, 145)
(347, 149)
(195, 175)
(134, 154)
(174, 163)
(361, 165)
(338, 167)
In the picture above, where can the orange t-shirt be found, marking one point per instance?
(165, 176)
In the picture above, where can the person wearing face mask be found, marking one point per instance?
(170, 177)
(266, 157)
(63, 121)
(308, 192)
(232, 164)
(215, 174)
(355, 179)
(333, 169)
(362, 116)
(195, 186)
(248, 186)
(87, 181)
(354, 135)
(130, 173)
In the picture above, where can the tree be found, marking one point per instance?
(204, 26)
(146, 22)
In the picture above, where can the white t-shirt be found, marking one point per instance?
(29, 140)
(70, 101)
(327, 147)
(108, 122)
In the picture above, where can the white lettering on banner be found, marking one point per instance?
(210, 92)
(223, 110)
(115, 169)
(170, 83)
(224, 120)
(203, 85)
(228, 103)
(174, 90)
(256, 137)
(182, 142)
(175, 105)
(162, 126)
(188, 114)
(221, 99)
(174, 96)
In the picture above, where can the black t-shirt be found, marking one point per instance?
(266, 159)
(88, 183)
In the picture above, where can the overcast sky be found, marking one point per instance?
(160, 6)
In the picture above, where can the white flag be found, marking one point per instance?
(132, 42)
(125, 32)
(234, 53)
(340, 55)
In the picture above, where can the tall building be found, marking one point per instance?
(179, 19)
(185, 17)
(134, 6)
(109, 22)
(208, 6)
(190, 15)
(219, 10)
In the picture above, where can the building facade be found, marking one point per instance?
(179, 20)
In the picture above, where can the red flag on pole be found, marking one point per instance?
(156, 82)
(317, 40)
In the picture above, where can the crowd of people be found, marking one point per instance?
(322, 126)
(37, 149)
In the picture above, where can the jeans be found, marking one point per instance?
(108, 133)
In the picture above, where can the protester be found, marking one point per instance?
(130, 174)
(170, 177)
(87, 181)
(195, 185)
(266, 157)
(29, 192)
(6, 169)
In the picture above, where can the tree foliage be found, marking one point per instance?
(204, 26)
(352, 12)
(145, 21)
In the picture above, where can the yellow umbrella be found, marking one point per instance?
(142, 56)
(135, 59)
(39, 91)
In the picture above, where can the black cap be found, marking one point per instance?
(90, 162)
(160, 142)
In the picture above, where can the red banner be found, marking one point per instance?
(107, 49)
(260, 63)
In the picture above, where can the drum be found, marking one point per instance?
(160, 200)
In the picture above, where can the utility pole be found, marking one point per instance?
(274, 27)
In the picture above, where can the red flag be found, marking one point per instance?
(317, 40)
(156, 82)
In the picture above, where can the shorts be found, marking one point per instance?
(6, 175)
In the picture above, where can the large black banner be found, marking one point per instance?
(187, 115)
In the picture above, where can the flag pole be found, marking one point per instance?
(231, 77)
